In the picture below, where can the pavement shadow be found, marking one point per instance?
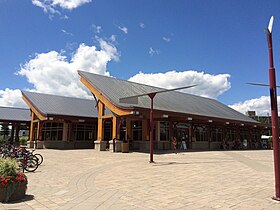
(26, 198)
(189, 163)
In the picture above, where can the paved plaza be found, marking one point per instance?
(88, 179)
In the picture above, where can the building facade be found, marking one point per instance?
(201, 123)
(61, 122)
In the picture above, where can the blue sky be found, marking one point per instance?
(217, 37)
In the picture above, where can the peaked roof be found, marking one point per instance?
(14, 114)
(53, 105)
(114, 89)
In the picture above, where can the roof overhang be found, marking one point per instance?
(115, 108)
(33, 108)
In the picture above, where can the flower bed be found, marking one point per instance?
(13, 184)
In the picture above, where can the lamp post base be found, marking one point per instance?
(276, 198)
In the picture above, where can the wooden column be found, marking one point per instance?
(65, 132)
(171, 131)
(190, 136)
(209, 129)
(100, 127)
(128, 129)
(119, 122)
(12, 133)
(145, 129)
(114, 128)
(249, 144)
(38, 131)
(17, 133)
(31, 138)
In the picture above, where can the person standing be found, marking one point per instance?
(174, 143)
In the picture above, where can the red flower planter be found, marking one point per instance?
(19, 192)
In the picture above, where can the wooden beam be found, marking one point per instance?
(119, 111)
(37, 113)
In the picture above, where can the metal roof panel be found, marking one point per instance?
(173, 101)
(14, 114)
(60, 105)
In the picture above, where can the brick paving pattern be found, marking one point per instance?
(88, 179)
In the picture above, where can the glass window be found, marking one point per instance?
(123, 130)
(52, 131)
(164, 131)
(108, 129)
(201, 133)
(137, 130)
(84, 132)
(217, 135)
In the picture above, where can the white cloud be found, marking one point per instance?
(66, 32)
(69, 4)
(208, 85)
(46, 6)
(65, 17)
(153, 51)
(53, 73)
(123, 29)
(260, 105)
(113, 38)
(142, 25)
(49, 6)
(166, 39)
(11, 98)
(97, 29)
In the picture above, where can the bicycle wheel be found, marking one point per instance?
(31, 164)
(39, 158)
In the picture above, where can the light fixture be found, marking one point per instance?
(210, 121)
(227, 123)
(165, 115)
(270, 24)
(81, 120)
(242, 124)
(189, 118)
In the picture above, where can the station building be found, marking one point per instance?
(203, 123)
(16, 121)
(61, 122)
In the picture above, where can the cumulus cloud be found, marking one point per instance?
(46, 6)
(49, 6)
(123, 29)
(11, 98)
(260, 105)
(153, 51)
(208, 85)
(54, 73)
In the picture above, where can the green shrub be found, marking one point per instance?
(3, 140)
(8, 167)
(23, 140)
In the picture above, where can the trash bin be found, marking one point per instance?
(125, 147)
